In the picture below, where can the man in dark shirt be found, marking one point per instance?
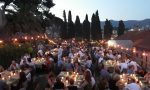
(3, 85)
(72, 87)
(58, 84)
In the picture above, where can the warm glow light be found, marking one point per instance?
(144, 54)
(118, 45)
(32, 38)
(127, 49)
(122, 48)
(38, 36)
(1, 41)
(25, 37)
(110, 43)
(43, 37)
(134, 50)
(15, 39)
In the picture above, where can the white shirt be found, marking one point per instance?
(51, 59)
(81, 54)
(71, 55)
(88, 63)
(100, 60)
(28, 76)
(134, 64)
(111, 56)
(60, 50)
(123, 66)
(132, 86)
(92, 81)
(40, 52)
(21, 62)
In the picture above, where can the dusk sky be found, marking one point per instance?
(110, 9)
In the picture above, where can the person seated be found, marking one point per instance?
(31, 64)
(135, 65)
(77, 67)
(1, 68)
(22, 60)
(130, 69)
(22, 83)
(123, 66)
(14, 66)
(103, 84)
(132, 85)
(24, 65)
(68, 65)
(3, 85)
(50, 81)
(104, 73)
(58, 85)
(147, 76)
(72, 86)
(89, 82)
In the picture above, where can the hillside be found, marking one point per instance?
(131, 23)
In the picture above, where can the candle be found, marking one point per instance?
(75, 79)
(122, 80)
(67, 82)
(120, 76)
(3, 78)
(62, 77)
(11, 73)
(67, 73)
(125, 84)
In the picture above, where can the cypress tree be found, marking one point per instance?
(108, 29)
(86, 28)
(78, 28)
(71, 32)
(95, 27)
(121, 28)
(98, 27)
(64, 32)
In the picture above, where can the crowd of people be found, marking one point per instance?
(86, 59)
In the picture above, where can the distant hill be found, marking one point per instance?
(130, 23)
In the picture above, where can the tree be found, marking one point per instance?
(95, 27)
(108, 29)
(71, 32)
(98, 26)
(64, 32)
(121, 28)
(86, 28)
(78, 28)
(23, 18)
